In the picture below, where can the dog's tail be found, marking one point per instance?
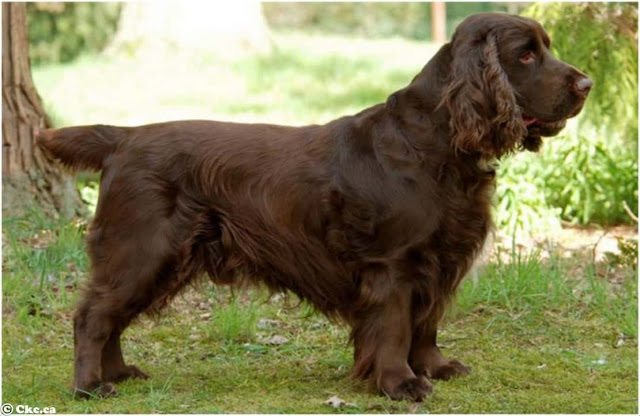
(82, 147)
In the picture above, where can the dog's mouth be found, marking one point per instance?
(528, 120)
(541, 128)
(533, 123)
(536, 129)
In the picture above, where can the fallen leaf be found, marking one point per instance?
(318, 325)
(278, 297)
(264, 323)
(46, 312)
(258, 349)
(335, 402)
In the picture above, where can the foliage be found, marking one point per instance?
(628, 256)
(369, 19)
(88, 187)
(42, 261)
(591, 179)
(59, 32)
(589, 171)
(520, 200)
(575, 178)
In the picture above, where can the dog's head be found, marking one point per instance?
(506, 90)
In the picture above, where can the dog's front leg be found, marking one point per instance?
(382, 334)
(425, 357)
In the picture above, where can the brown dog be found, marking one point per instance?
(374, 218)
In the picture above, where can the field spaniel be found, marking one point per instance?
(374, 218)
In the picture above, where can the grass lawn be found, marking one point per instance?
(306, 79)
(553, 336)
(543, 335)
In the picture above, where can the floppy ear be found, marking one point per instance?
(485, 116)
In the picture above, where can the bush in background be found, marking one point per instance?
(590, 171)
(412, 20)
(59, 32)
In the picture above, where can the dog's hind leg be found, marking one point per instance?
(131, 271)
(165, 285)
(91, 330)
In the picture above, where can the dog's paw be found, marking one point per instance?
(135, 372)
(107, 390)
(102, 390)
(124, 373)
(415, 388)
(453, 368)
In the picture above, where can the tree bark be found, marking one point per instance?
(29, 179)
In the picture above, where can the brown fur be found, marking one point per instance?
(374, 218)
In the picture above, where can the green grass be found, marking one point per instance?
(305, 80)
(540, 336)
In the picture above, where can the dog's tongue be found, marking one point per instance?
(529, 120)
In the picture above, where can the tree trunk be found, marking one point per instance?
(438, 22)
(228, 28)
(29, 179)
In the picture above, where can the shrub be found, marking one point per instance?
(59, 32)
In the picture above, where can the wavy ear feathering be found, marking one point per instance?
(485, 116)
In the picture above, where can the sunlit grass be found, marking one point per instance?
(304, 80)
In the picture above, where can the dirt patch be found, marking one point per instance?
(572, 240)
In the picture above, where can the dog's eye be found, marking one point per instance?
(528, 57)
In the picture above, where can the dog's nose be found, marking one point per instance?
(583, 85)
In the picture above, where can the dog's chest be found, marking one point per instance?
(465, 223)
(401, 215)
